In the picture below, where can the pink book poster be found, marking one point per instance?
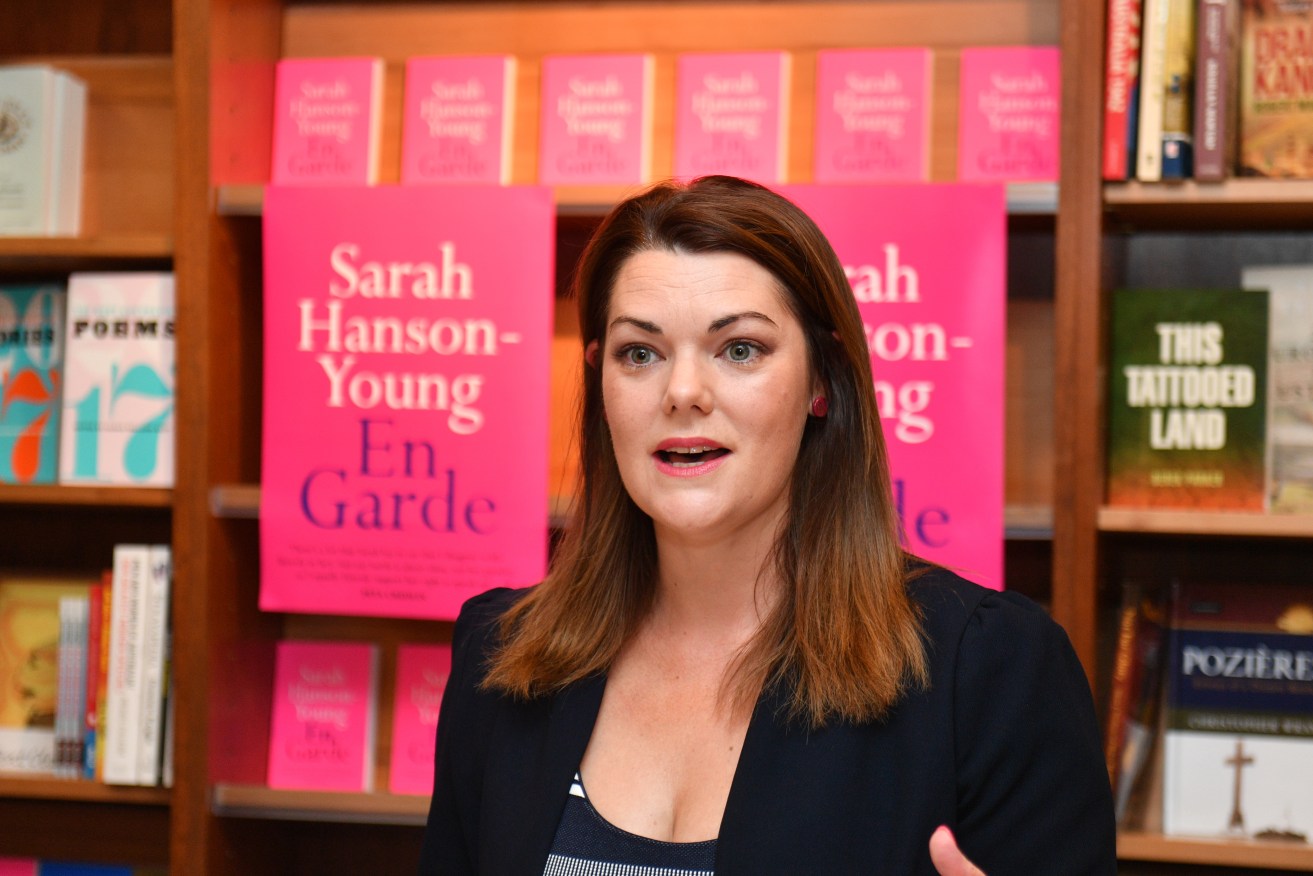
(1008, 102)
(731, 115)
(596, 126)
(327, 114)
(422, 672)
(872, 116)
(457, 120)
(406, 351)
(321, 734)
(927, 266)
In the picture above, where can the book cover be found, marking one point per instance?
(731, 115)
(1178, 91)
(327, 120)
(18, 866)
(120, 735)
(872, 116)
(31, 382)
(29, 670)
(1008, 105)
(82, 868)
(1239, 738)
(1121, 83)
(1276, 89)
(117, 421)
(42, 122)
(1217, 30)
(422, 672)
(1290, 383)
(596, 125)
(321, 736)
(405, 396)
(929, 279)
(458, 118)
(1153, 66)
(1187, 402)
(154, 660)
(1137, 676)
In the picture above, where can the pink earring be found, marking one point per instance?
(820, 406)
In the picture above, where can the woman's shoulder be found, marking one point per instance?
(954, 609)
(477, 623)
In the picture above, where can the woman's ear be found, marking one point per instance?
(590, 354)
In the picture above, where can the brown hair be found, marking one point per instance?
(844, 636)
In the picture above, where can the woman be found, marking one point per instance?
(733, 666)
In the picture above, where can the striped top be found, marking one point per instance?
(587, 844)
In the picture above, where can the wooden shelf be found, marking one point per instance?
(106, 247)
(1024, 199)
(43, 788)
(107, 497)
(1273, 855)
(257, 801)
(1243, 203)
(1223, 523)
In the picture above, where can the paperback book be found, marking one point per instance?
(1290, 383)
(596, 125)
(70, 728)
(422, 672)
(121, 733)
(31, 382)
(458, 120)
(117, 418)
(1136, 692)
(1239, 738)
(1215, 102)
(1187, 401)
(731, 115)
(1121, 89)
(1276, 89)
(324, 715)
(929, 279)
(1153, 66)
(1008, 105)
(1178, 91)
(872, 116)
(327, 120)
(42, 133)
(405, 396)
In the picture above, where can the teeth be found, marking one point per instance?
(689, 450)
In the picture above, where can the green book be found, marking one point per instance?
(1187, 399)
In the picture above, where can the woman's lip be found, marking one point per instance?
(686, 443)
(689, 471)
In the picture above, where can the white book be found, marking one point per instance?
(42, 130)
(1153, 60)
(122, 729)
(71, 696)
(155, 636)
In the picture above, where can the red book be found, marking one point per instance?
(1120, 84)
(422, 672)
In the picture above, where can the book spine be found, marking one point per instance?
(95, 619)
(63, 689)
(1122, 62)
(97, 765)
(1149, 145)
(123, 718)
(1121, 677)
(1178, 91)
(1214, 104)
(153, 658)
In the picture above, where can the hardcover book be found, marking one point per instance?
(872, 115)
(120, 735)
(29, 670)
(1215, 101)
(327, 120)
(154, 662)
(31, 382)
(731, 115)
(1276, 89)
(1290, 383)
(457, 121)
(1138, 670)
(1187, 402)
(1121, 89)
(1178, 91)
(1008, 114)
(1153, 67)
(70, 728)
(405, 396)
(929, 279)
(596, 126)
(42, 132)
(116, 426)
(324, 713)
(422, 672)
(1239, 738)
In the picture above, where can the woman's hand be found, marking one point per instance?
(947, 858)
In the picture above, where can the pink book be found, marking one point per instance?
(457, 120)
(928, 273)
(321, 736)
(872, 115)
(596, 120)
(18, 867)
(731, 115)
(407, 337)
(1008, 102)
(422, 672)
(327, 114)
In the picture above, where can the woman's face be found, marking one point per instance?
(706, 384)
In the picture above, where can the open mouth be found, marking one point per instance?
(688, 457)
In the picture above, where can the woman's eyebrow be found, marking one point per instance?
(735, 317)
(641, 324)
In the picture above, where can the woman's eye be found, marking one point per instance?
(637, 355)
(741, 351)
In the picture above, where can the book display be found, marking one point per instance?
(731, 115)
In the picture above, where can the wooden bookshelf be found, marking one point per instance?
(1273, 855)
(259, 801)
(1212, 523)
(1239, 203)
(77, 790)
(74, 250)
(105, 497)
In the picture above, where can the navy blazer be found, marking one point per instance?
(1003, 747)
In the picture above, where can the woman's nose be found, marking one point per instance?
(689, 386)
